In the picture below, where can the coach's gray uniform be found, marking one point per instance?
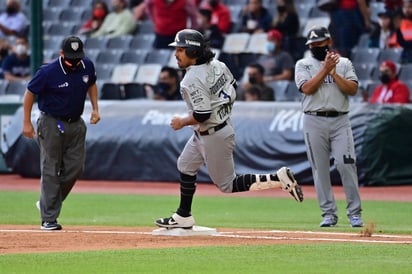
(213, 94)
(325, 136)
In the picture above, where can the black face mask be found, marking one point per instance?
(385, 78)
(162, 88)
(281, 9)
(319, 52)
(11, 10)
(72, 64)
(252, 80)
(4, 52)
(213, 4)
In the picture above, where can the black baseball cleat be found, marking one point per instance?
(289, 184)
(50, 226)
(176, 221)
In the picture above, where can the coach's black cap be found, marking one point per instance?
(72, 47)
(317, 34)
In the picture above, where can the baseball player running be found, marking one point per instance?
(208, 88)
(327, 80)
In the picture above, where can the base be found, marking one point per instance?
(194, 231)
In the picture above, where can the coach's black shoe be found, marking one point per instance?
(176, 221)
(50, 226)
(289, 184)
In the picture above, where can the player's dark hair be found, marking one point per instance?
(206, 55)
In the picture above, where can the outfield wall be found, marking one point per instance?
(134, 141)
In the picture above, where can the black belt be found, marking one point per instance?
(213, 129)
(66, 119)
(326, 113)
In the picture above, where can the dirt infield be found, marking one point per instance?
(28, 239)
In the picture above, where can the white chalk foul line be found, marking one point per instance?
(403, 239)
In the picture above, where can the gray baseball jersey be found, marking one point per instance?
(328, 97)
(329, 136)
(208, 88)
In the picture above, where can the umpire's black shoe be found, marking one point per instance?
(50, 226)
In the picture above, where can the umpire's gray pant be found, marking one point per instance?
(62, 158)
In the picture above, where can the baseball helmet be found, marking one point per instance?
(190, 39)
(317, 34)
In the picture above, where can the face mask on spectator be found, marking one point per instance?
(385, 78)
(281, 9)
(252, 79)
(270, 46)
(99, 13)
(20, 49)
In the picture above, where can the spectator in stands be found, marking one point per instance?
(403, 32)
(16, 66)
(348, 22)
(286, 20)
(169, 17)
(255, 17)
(118, 22)
(278, 63)
(252, 93)
(210, 31)
(168, 86)
(99, 13)
(138, 8)
(4, 52)
(392, 90)
(382, 31)
(255, 80)
(12, 21)
(221, 15)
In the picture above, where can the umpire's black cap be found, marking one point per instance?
(72, 47)
(317, 34)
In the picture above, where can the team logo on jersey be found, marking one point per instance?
(85, 78)
(74, 45)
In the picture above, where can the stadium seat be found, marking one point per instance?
(257, 43)
(142, 41)
(134, 91)
(56, 3)
(16, 87)
(235, 42)
(405, 72)
(95, 43)
(71, 15)
(104, 72)
(364, 55)
(393, 54)
(145, 26)
(119, 42)
(148, 74)
(137, 56)
(111, 91)
(124, 73)
(109, 57)
(364, 71)
(61, 28)
(158, 56)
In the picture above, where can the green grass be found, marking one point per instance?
(219, 212)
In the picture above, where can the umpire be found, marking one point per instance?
(327, 80)
(61, 87)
